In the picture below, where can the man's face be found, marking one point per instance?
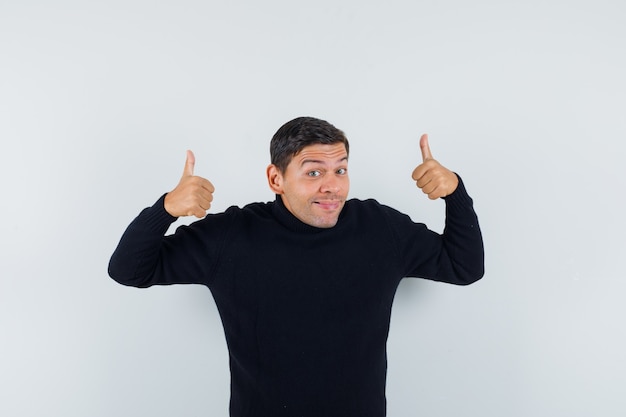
(315, 185)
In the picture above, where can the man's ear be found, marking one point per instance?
(275, 179)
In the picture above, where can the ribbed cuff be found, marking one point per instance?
(156, 218)
(459, 199)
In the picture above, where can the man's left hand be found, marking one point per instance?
(431, 177)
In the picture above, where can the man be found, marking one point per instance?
(304, 284)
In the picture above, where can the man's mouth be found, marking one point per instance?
(328, 204)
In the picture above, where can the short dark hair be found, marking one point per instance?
(299, 133)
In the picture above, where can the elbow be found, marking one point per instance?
(117, 275)
(472, 269)
(123, 276)
(472, 278)
(469, 274)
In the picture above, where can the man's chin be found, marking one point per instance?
(321, 216)
(325, 222)
(327, 225)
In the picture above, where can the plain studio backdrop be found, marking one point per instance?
(525, 100)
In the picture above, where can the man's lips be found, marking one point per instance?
(328, 204)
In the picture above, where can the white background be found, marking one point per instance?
(526, 100)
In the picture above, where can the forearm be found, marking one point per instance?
(462, 237)
(137, 255)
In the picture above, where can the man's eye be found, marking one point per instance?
(314, 173)
(342, 171)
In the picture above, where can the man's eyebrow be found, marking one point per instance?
(319, 161)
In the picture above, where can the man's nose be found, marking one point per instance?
(331, 184)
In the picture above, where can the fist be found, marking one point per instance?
(192, 196)
(431, 177)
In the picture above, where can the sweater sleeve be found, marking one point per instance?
(456, 256)
(146, 257)
(462, 237)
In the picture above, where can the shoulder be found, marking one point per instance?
(230, 217)
(372, 209)
(250, 209)
(250, 213)
(369, 205)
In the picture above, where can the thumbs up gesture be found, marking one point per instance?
(192, 196)
(431, 177)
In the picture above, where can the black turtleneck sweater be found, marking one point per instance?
(305, 310)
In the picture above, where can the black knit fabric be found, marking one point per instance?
(305, 310)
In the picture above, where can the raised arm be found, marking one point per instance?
(144, 256)
(457, 256)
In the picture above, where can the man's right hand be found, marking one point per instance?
(192, 196)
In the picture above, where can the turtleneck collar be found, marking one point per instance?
(287, 219)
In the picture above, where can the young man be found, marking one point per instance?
(304, 284)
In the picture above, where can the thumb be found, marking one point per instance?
(426, 155)
(189, 164)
